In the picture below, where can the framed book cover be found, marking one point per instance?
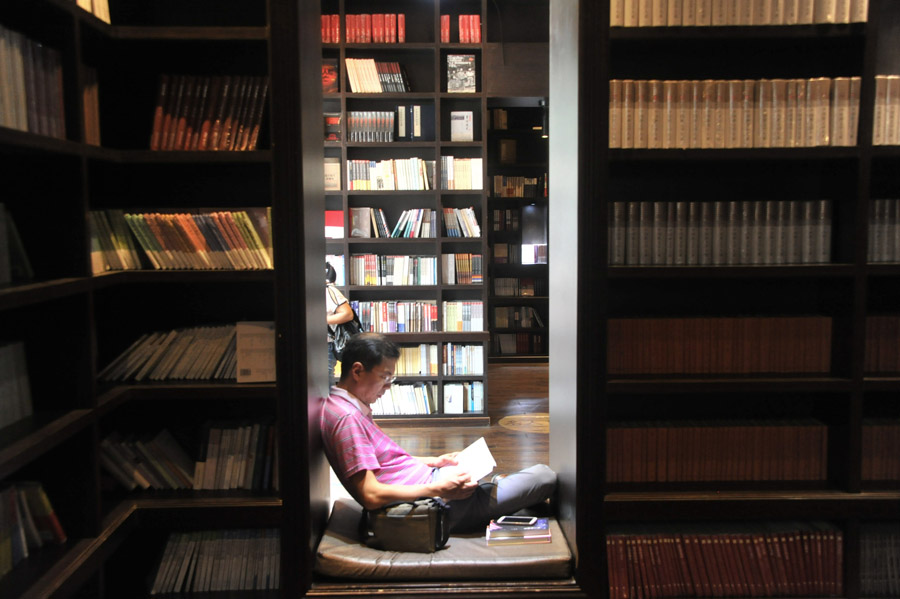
(330, 76)
(461, 73)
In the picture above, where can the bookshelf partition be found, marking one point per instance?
(694, 385)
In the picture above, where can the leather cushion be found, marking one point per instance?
(466, 557)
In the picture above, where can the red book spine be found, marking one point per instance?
(159, 112)
(401, 28)
(391, 28)
(445, 29)
(366, 29)
(464, 29)
(378, 28)
(326, 29)
(350, 28)
(476, 29)
(335, 29)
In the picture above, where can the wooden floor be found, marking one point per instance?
(513, 390)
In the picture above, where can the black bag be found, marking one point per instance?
(345, 330)
(422, 526)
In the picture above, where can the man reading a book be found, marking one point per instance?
(376, 471)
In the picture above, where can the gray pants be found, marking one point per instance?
(491, 500)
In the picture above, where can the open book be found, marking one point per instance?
(476, 460)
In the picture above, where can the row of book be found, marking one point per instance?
(757, 559)
(397, 316)
(879, 559)
(716, 450)
(365, 28)
(881, 449)
(400, 174)
(462, 269)
(520, 343)
(407, 399)
(15, 387)
(469, 31)
(219, 560)
(886, 120)
(157, 461)
(417, 360)
(506, 219)
(519, 287)
(464, 398)
(710, 113)
(690, 13)
(461, 173)
(464, 315)
(414, 223)
(27, 523)
(723, 345)
(31, 86)
(14, 262)
(884, 230)
(389, 270)
(368, 76)
(517, 317)
(407, 122)
(191, 240)
(99, 8)
(731, 232)
(882, 351)
(461, 359)
(219, 112)
(192, 353)
(520, 253)
(517, 186)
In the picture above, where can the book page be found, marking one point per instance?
(476, 459)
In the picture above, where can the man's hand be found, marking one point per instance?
(448, 459)
(456, 486)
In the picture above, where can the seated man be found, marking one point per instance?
(376, 471)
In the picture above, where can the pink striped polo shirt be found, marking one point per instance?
(353, 442)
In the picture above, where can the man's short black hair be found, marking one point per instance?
(369, 349)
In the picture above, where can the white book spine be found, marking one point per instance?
(790, 114)
(779, 112)
(615, 113)
(859, 11)
(703, 13)
(630, 14)
(879, 119)
(748, 110)
(680, 238)
(654, 113)
(618, 226)
(762, 134)
(823, 243)
(842, 11)
(802, 88)
(632, 234)
(840, 111)
(645, 13)
(735, 113)
(645, 234)
(674, 13)
(721, 119)
(790, 12)
(692, 252)
(641, 112)
(658, 239)
(617, 13)
(683, 114)
(853, 126)
(705, 247)
(892, 111)
(670, 114)
(805, 11)
(707, 114)
(689, 13)
(659, 17)
(628, 109)
(824, 11)
(719, 233)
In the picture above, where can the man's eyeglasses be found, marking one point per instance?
(388, 377)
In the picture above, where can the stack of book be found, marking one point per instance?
(465, 315)
(516, 317)
(157, 462)
(401, 174)
(517, 186)
(463, 360)
(27, 522)
(397, 316)
(884, 230)
(194, 353)
(373, 269)
(461, 173)
(368, 76)
(376, 28)
(220, 112)
(469, 29)
(499, 533)
(219, 560)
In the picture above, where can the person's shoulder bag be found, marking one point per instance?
(420, 526)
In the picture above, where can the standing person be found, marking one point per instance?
(376, 471)
(338, 311)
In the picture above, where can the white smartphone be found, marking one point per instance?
(517, 520)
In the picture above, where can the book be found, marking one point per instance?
(475, 460)
(509, 534)
(461, 125)
(330, 76)
(255, 348)
(461, 73)
(332, 173)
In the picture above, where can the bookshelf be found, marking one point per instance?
(518, 237)
(73, 322)
(419, 126)
(845, 395)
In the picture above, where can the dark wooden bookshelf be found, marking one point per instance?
(849, 176)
